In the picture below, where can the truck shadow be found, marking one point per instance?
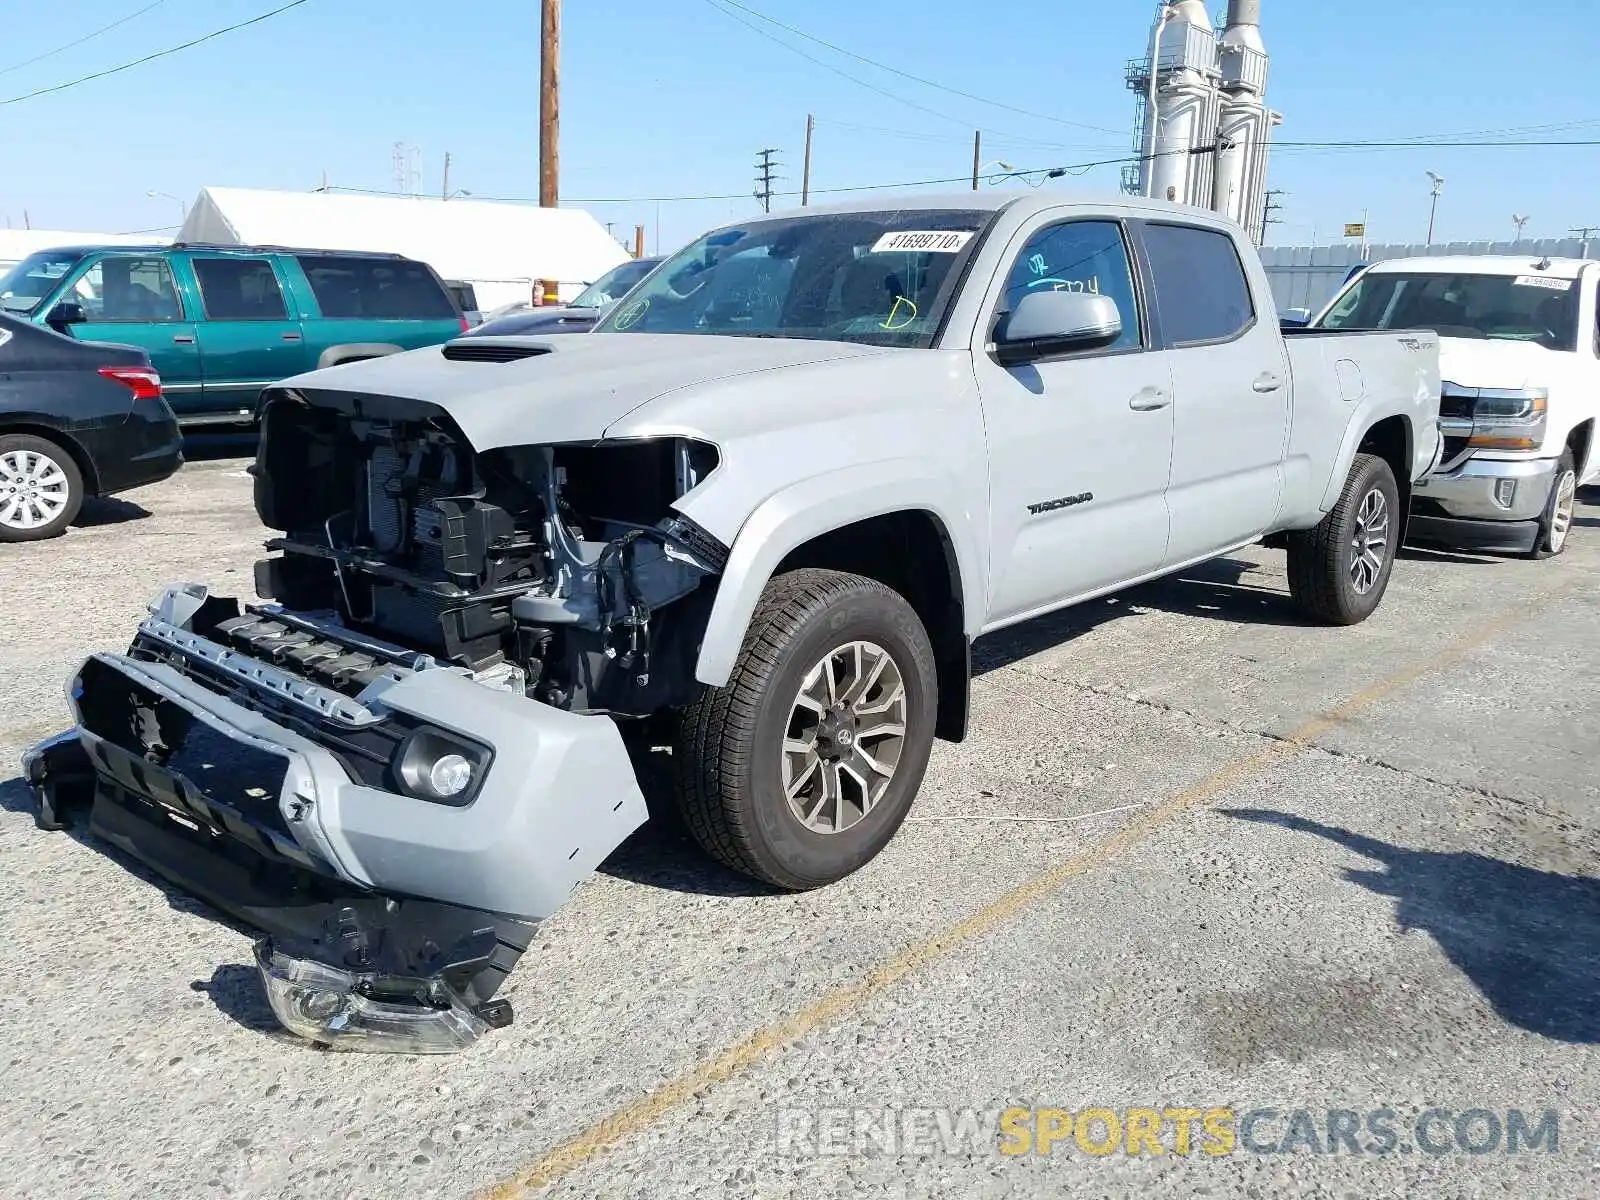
(1529, 940)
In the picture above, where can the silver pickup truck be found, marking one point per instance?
(751, 525)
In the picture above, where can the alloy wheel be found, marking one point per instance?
(844, 738)
(1369, 543)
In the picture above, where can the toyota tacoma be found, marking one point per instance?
(750, 525)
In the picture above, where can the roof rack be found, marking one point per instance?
(263, 249)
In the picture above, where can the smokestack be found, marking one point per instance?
(1244, 12)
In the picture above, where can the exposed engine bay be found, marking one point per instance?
(556, 572)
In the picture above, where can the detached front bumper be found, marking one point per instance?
(390, 920)
(1483, 504)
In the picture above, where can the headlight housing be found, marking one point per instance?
(442, 767)
(1510, 420)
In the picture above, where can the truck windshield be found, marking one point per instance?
(1520, 308)
(884, 278)
(26, 285)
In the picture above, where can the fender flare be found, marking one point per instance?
(796, 514)
(1355, 431)
(354, 351)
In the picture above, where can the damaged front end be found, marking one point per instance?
(412, 749)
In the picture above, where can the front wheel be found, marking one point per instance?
(802, 768)
(1339, 570)
(41, 489)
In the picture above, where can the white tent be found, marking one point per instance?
(17, 244)
(498, 248)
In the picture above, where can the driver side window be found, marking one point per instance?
(1079, 256)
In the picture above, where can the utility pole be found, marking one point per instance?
(1271, 207)
(638, 241)
(977, 156)
(765, 178)
(549, 103)
(1433, 211)
(444, 188)
(805, 175)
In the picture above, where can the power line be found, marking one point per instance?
(139, 62)
(827, 66)
(1024, 175)
(88, 37)
(872, 62)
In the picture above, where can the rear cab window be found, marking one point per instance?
(1201, 289)
(239, 289)
(376, 289)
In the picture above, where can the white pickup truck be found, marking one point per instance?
(1520, 358)
(757, 517)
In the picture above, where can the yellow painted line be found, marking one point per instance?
(765, 1043)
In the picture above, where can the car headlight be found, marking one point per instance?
(442, 767)
(1510, 420)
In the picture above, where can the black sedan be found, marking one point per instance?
(585, 311)
(76, 419)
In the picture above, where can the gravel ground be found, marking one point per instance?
(1266, 867)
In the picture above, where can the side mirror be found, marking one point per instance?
(1046, 323)
(68, 312)
(1294, 318)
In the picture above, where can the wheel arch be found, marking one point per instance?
(882, 520)
(1580, 440)
(350, 352)
(81, 457)
(1390, 438)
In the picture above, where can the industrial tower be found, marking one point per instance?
(1203, 129)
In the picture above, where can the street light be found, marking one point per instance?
(1433, 211)
(1519, 222)
(182, 206)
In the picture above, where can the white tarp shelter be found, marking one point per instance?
(17, 244)
(498, 248)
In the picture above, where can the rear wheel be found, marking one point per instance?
(1339, 570)
(1555, 523)
(41, 488)
(804, 766)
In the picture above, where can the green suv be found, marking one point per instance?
(222, 322)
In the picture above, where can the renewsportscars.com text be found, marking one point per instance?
(902, 1131)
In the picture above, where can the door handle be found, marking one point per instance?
(1149, 400)
(291, 337)
(1267, 382)
(183, 339)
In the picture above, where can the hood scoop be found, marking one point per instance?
(486, 351)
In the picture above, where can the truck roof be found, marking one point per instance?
(995, 199)
(1485, 264)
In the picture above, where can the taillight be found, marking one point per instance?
(466, 325)
(144, 382)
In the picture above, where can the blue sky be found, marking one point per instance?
(674, 98)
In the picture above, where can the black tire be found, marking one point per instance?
(27, 446)
(1553, 536)
(1321, 559)
(729, 759)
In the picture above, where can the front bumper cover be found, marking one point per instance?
(1474, 491)
(390, 921)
